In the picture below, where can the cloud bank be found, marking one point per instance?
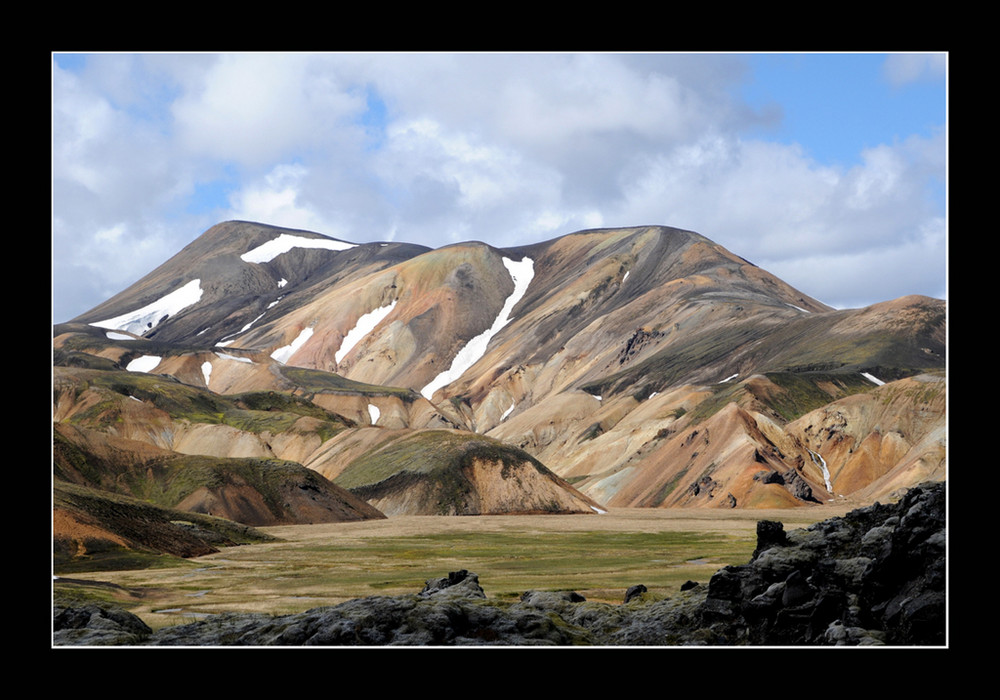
(149, 150)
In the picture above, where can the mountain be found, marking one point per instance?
(631, 367)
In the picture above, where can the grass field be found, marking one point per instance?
(598, 556)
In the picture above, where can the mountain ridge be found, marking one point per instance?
(598, 358)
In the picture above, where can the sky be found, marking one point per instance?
(826, 169)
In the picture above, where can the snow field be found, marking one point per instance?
(146, 363)
(521, 273)
(365, 325)
(285, 353)
(142, 320)
(267, 252)
(872, 379)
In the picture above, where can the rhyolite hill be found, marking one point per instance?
(630, 367)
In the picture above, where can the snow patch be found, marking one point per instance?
(282, 282)
(119, 336)
(508, 411)
(146, 363)
(626, 276)
(730, 378)
(236, 358)
(522, 274)
(228, 339)
(206, 371)
(365, 325)
(267, 252)
(248, 326)
(374, 413)
(818, 460)
(141, 320)
(284, 354)
(872, 379)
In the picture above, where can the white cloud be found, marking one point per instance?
(862, 276)
(252, 108)
(906, 68)
(274, 198)
(506, 148)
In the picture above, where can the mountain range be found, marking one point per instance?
(268, 375)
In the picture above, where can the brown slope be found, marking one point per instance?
(452, 472)
(659, 458)
(667, 451)
(252, 489)
(442, 298)
(234, 292)
(609, 299)
(98, 530)
(877, 443)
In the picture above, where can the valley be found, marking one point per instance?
(316, 565)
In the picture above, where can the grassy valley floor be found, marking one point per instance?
(598, 556)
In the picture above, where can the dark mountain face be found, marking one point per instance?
(647, 365)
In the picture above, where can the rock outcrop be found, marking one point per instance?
(873, 577)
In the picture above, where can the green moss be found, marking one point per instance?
(807, 391)
(318, 381)
(665, 490)
(111, 558)
(254, 412)
(153, 536)
(810, 343)
(439, 459)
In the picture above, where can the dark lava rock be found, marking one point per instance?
(878, 572)
(634, 592)
(96, 625)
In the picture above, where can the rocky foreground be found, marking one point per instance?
(873, 577)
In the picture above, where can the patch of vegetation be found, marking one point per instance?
(672, 364)
(69, 592)
(89, 339)
(722, 394)
(665, 490)
(145, 535)
(254, 412)
(439, 460)
(799, 346)
(512, 562)
(426, 452)
(105, 556)
(74, 358)
(802, 392)
(318, 381)
(921, 394)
